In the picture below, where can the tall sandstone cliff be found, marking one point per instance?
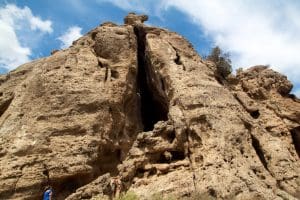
(138, 102)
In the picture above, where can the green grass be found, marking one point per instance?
(128, 196)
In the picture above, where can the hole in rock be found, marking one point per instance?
(154, 107)
(114, 74)
(296, 139)
(140, 172)
(255, 114)
(257, 147)
(93, 35)
(171, 157)
(212, 192)
(177, 155)
(46, 173)
(171, 136)
(177, 59)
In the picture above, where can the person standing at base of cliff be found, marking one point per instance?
(116, 187)
(47, 193)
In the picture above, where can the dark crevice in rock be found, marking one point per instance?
(247, 125)
(219, 79)
(257, 147)
(171, 156)
(177, 59)
(295, 132)
(46, 173)
(100, 64)
(254, 112)
(154, 107)
(4, 104)
(162, 84)
(171, 136)
(106, 74)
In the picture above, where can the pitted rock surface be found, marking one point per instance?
(139, 103)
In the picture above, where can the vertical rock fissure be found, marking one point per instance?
(295, 132)
(5, 104)
(257, 147)
(154, 108)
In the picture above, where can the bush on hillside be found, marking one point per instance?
(222, 61)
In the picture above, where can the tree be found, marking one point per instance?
(222, 61)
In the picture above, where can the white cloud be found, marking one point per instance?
(36, 23)
(12, 53)
(255, 32)
(69, 36)
(14, 21)
(16, 17)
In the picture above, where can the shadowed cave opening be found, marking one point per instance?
(68, 185)
(154, 108)
(295, 132)
(107, 162)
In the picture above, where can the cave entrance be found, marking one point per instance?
(154, 107)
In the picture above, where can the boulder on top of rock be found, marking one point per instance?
(133, 19)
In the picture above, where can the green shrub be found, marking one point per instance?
(222, 61)
(159, 196)
(128, 196)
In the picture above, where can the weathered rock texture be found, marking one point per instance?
(139, 102)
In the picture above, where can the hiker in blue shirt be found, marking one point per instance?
(48, 193)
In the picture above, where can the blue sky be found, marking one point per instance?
(253, 31)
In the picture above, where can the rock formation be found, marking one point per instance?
(139, 102)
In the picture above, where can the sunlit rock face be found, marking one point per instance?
(138, 102)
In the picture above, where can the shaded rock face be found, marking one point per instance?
(139, 102)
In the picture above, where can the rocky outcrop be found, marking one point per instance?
(139, 102)
(71, 117)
